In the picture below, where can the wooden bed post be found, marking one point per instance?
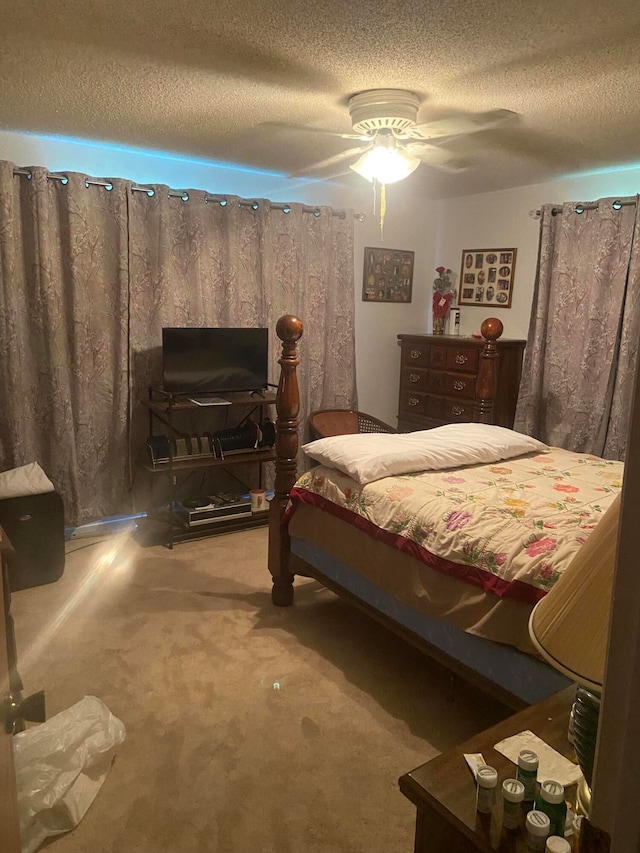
(491, 330)
(289, 330)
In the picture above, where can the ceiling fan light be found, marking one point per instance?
(386, 165)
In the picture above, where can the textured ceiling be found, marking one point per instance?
(200, 77)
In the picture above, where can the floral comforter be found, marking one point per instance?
(510, 528)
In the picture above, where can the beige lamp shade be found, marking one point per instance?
(570, 625)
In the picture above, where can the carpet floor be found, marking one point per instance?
(249, 727)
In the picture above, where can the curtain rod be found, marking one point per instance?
(580, 208)
(222, 200)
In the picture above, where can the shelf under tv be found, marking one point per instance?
(168, 408)
(162, 401)
(267, 454)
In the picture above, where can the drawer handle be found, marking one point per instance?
(415, 353)
(459, 385)
(414, 377)
(457, 410)
(413, 401)
(461, 359)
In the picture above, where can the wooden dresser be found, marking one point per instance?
(439, 377)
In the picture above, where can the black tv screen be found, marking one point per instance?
(214, 360)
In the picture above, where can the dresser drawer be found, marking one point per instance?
(452, 384)
(448, 410)
(458, 410)
(421, 423)
(435, 408)
(438, 356)
(412, 403)
(414, 379)
(415, 355)
(457, 357)
(463, 358)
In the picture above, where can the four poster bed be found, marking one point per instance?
(452, 558)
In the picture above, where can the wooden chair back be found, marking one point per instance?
(327, 422)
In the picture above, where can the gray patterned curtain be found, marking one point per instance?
(63, 336)
(308, 270)
(583, 336)
(88, 278)
(195, 263)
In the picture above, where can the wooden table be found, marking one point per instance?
(443, 789)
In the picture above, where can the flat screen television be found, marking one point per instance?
(214, 360)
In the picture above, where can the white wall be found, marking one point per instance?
(408, 226)
(500, 219)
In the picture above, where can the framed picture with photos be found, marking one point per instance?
(387, 275)
(486, 277)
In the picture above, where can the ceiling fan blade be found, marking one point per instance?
(440, 158)
(283, 125)
(330, 161)
(453, 167)
(461, 125)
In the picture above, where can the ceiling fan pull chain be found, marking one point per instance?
(373, 183)
(383, 208)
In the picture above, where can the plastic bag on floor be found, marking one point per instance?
(60, 767)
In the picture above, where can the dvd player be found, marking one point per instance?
(220, 507)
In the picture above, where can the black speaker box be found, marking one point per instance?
(35, 526)
(238, 438)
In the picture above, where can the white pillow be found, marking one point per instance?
(371, 456)
(26, 480)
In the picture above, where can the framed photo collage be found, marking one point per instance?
(387, 275)
(486, 277)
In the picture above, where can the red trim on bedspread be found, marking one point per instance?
(469, 574)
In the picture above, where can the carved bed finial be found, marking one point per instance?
(491, 329)
(289, 329)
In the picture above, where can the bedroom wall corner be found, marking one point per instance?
(501, 219)
(410, 223)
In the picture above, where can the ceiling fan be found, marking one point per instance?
(394, 144)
